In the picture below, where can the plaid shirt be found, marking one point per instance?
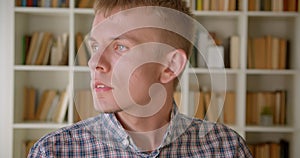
(103, 136)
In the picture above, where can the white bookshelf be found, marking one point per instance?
(241, 23)
(253, 24)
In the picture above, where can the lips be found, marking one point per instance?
(100, 87)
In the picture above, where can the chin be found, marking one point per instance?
(105, 107)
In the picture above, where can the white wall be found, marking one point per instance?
(6, 53)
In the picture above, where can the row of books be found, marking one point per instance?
(85, 3)
(43, 48)
(207, 105)
(272, 103)
(214, 53)
(218, 5)
(50, 106)
(270, 149)
(43, 3)
(273, 5)
(267, 52)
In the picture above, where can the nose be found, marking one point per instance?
(100, 62)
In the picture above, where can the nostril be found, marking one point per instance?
(100, 68)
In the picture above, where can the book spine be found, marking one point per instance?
(24, 3)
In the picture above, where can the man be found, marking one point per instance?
(139, 48)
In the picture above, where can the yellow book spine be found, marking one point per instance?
(199, 5)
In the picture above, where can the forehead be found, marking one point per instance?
(107, 28)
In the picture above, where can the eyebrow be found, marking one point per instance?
(91, 39)
(132, 39)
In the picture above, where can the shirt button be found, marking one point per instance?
(125, 142)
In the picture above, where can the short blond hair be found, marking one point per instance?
(171, 38)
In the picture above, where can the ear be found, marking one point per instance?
(176, 63)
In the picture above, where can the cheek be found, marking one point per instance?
(142, 78)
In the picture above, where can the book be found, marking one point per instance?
(282, 114)
(275, 53)
(25, 47)
(28, 145)
(45, 104)
(266, 5)
(277, 5)
(251, 5)
(59, 50)
(277, 106)
(214, 5)
(46, 58)
(84, 104)
(29, 103)
(64, 49)
(46, 3)
(234, 52)
(55, 3)
(198, 5)
(229, 109)
(250, 54)
(37, 48)
(285, 5)
(193, 57)
(274, 150)
(82, 55)
(18, 3)
(232, 5)
(259, 53)
(240, 5)
(33, 46)
(85, 3)
(215, 57)
(298, 5)
(29, 3)
(206, 5)
(62, 106)
(268, 44)
(250, 108)
(282, 54)
(199, 108)
(202, 52)
(284, 148)
(52, 108)
(44, 48)
(213, 102)
(223, 5)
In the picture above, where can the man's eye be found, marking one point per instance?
(121, 48)
(95, 48)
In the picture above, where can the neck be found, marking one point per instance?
(145, 124)
(147, 132)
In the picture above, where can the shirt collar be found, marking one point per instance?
(108, 129)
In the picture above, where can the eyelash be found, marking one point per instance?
(94, 47)
(120, 48)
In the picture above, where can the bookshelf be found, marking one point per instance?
(71, 20)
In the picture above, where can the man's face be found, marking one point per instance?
(111, 57)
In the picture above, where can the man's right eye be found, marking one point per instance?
(94, 47)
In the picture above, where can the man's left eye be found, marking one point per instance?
(121, 48)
